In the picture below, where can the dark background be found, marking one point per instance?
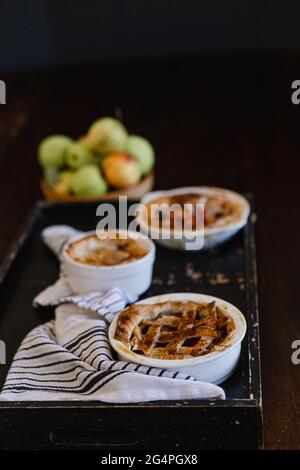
(209, 83)
(47, 33)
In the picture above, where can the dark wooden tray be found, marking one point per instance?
(228, 272)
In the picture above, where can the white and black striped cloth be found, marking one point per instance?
(70, 358)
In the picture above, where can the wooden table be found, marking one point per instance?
(223, 122)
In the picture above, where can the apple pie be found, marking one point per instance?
(174, 330)
(107, 251)
(171, 211)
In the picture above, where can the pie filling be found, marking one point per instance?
(219, 211)
(174, 330)
(107, 251)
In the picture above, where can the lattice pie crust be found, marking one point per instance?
(174, 330)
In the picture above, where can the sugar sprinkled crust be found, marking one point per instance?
(107, 251)
(174, 330)
(220, 210)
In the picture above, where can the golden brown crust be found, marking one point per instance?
(107, 251)
(219, 210)
(173, 330)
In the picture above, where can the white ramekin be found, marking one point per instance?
(214, 367)
(134, 277)
(212, 236)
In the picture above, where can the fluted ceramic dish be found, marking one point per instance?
(212, 236)
(214, 367)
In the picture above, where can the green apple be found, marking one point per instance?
(63, 184)
(52, 150)
(97, 157)
(107, 135)
(142, 151)
(88, 181)
(78, 155)
(83, 141)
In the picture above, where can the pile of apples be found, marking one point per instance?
(106, 157)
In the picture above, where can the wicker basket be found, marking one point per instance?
(133, 192)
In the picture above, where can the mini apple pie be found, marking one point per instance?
(107, 251)
(174, 330)
(170, 211)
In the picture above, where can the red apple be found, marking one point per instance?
(121, 170)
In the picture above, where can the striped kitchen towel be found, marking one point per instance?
(70, 358)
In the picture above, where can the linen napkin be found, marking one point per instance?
(70, 358)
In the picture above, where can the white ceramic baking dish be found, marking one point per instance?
(212, 236)
(214, 367)
(134, 277)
